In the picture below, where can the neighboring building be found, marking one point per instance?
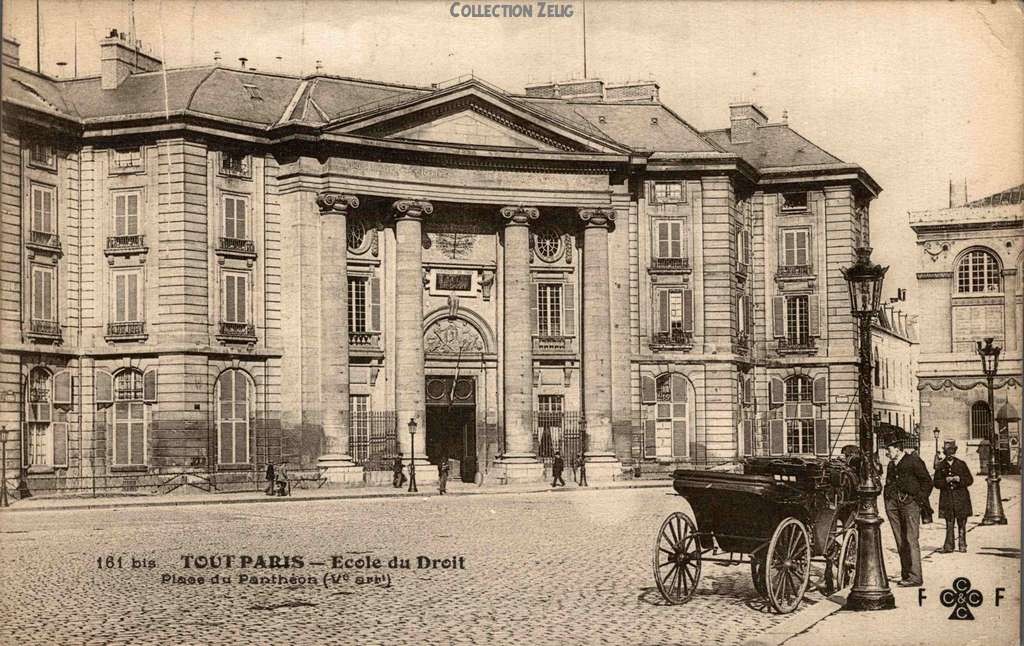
(894, 375)
(969, 282)
(206, 269)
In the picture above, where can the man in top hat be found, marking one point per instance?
(952, 479)
(906, 484)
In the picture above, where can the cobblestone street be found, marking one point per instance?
(569, 567)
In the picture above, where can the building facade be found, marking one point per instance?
(969, 269)
(208, 269)
(894, 375)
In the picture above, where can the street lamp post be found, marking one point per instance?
(938, 456)
(3, 467)
(994, 503)
(870, 585)
(412, 456)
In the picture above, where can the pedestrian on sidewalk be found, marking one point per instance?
(557, 466)
(443, 469)
(271, 477)
(398, 477)
(906, 483)
(281, 485)
(583, 469)
(953, 479)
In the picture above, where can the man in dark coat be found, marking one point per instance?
(397, 475)
(271, 479)
(952, 479)
(557, 466)
(906, 483)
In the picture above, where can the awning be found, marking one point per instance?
(1007, 413)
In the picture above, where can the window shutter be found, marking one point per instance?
(650, 441)
(679, 438)
(675, 244)
(60, 443)
(776, 392)
(568, 310)
(800, 252)
(746, 247)
(748, 390)
(820, 390)
(375, 304)
(652, 195)
(648, 390)
(678, 388)
(664, 323)
(748, 437)
(241, 306)
(132, 286)
(821, 438)
(534, 324)
(149, 386)
(779, 316)
(813, 324)
(809, 247)
(750, 314)
(663, 245)
(776, 437)
(688, 310)
(62, 388)
(104, 387)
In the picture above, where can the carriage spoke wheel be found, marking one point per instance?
(847, 566)
(757, 573)
(788, 566)
(677, 558)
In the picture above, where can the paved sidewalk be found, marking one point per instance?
(184, 497)
(992, 561)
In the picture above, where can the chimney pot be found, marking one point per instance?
(119, 60)
(243, 60)
(744, 119)
(319, 65)
(216, 56)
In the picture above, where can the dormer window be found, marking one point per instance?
(794, 201)
(234, 163)
(254, 92)
(128, 160)
(42, 154)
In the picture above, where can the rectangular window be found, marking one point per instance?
(234, 163)
(357, 305)
(668, 193)
(42, 154)
(741, 315)
(670, 239)
(44, 299)
(129, 159)
(234, 218)
(129, 432)
(795, 245)
(235, 293)
(550, 404)
(549, 309)
(800, 435)
(126, 214)
(128, 296)
(797, 319)
(44, 219)
(794, 201)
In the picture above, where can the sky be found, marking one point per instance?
(916, 92)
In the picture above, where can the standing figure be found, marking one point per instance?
(443, 469)
(398, 477)
(271, 477)
(906, 483)
(557, 466)
(582, 462)
(281, 484)
(952, 479)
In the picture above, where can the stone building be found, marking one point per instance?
(969, 269)
(206, 269)
(894, 375)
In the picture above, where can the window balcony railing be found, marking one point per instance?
(44, 241)
(126, 331)
(236, 247)
(127, 244)
(671, 264)
(797, 344)
(673, 339)
(364, 340)
(547, 344)
(38, 395)
(233, 331)
(44, 329)
(794, 271)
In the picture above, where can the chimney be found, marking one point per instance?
(576, 89)
(745, 118)
(119, 60)
(242, 60)
(10, 52)
(635, 92)
(957, 194)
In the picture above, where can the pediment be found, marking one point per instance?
(470, 128)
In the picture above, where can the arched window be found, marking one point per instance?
(977, 272)
(548, 244)
(799, 415)
(356, 233)
(233, 404)
(39, 416)
(669, 418)
(129, 418)
(981, 421)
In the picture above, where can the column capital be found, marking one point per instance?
(603, 218)
(412, 208)
(519, 215)
(329, 201)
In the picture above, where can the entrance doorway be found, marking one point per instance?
(451, 422)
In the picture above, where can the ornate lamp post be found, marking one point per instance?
(938, 456)
(994, 504)
(412, 456)
(870, 585)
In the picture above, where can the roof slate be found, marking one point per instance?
(775, 145)
(1013, 195)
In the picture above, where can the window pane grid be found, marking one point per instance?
(549, 309)
(978, 272)
(797, 323)
(357, 304)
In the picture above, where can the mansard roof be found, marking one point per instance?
(1004, 209)
(775, 145)
(1013, 195)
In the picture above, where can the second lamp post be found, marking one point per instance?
(994, 503)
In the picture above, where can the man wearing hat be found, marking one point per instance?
(952, 479)
(907, 483)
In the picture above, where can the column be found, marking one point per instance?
(519, 463)
(408, 311)
(337, 463)
(597, 339)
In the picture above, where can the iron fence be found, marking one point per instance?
(373, 439)
(564, 432)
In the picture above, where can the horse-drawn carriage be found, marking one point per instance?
(779, 514)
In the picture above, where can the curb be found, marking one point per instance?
(184, 502)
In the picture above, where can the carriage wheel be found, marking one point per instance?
(789, 565)
(757, 573)
(847, 565)
(677, 558)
